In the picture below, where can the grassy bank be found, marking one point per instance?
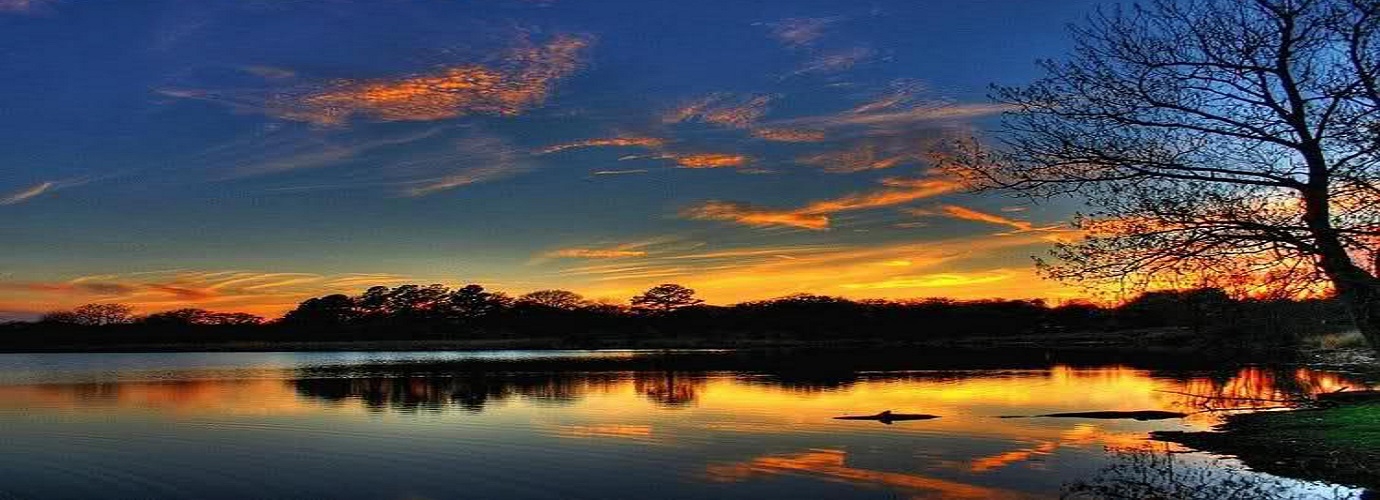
(1340, 444)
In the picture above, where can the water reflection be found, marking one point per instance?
(832, 465)
(619, 433)
(1156, 472)
(1110, 388)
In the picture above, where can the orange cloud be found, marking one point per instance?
(523, 81)
(815, 215)
(708, 160)
(964, 213)
(646, 142)
(749, 215)
(789, 135)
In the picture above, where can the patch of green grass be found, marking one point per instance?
(1340, 444)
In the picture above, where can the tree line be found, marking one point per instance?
(674, 312)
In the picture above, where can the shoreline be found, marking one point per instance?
(1339, 444)
(1159, 340)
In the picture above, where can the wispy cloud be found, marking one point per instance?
(722, 109)
(258, 292)
(271, 72)
(631, 171)
(495, 159)
(24, 6)
(285, 151)
(638, 248)
(835, 61)
(645, 142)
(29, 193)
(522, 79)
(864, 156)
(789, 135)
(816, 215)
(594, 253)
(799, 32)
(921, 113)
(465, 177)
(45, 187)
(965, 213)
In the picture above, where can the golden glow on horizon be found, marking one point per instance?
(956, 268)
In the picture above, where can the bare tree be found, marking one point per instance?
(665, 298)
(93, 315)
(1232, 139)
(556, 299)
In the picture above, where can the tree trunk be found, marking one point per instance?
(1363, 301)
(1358, 288)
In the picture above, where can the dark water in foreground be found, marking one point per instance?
(608, 424)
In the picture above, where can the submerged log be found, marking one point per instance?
(1109, 415)
(1136, 415)
(887, 417)
(1347, 397)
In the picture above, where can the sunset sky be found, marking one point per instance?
(244, 155)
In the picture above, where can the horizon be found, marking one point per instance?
(225, 158)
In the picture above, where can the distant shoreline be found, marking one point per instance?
(1161, 339)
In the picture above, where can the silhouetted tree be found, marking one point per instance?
(665, 298)
(1195, 309)
(200, 317)
(324, 312)
(374, 302)
(1216, 138)
(555, 299)
(472, 302)
(93, 315)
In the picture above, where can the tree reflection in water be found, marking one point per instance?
(473, 391)
(1156, 472)
(436, 388)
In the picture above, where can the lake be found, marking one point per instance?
(622, 424)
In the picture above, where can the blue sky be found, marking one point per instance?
(247, 154)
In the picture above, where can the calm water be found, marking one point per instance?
(608, 424)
